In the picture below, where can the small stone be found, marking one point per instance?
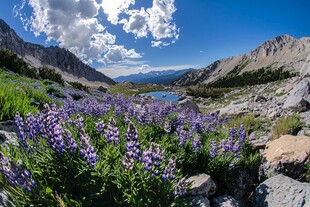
(224, 201)
(200, 201)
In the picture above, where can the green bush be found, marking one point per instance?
(287, 125)
(50, 74)
(79, 86)
(55, 92)
(12, 62)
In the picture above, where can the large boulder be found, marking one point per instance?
(189, 104)
(202, 184)
(286, 155)
(280, 191)
(299, 95)
(102, 89)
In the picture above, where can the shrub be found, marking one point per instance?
(55, 92)
(79, 86)
(12, 62)
(50, 74)
(287, 125)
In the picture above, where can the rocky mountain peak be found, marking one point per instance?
(283, 51)
(272, 46)
(61, 59)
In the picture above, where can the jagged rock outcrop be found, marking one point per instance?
(61, 59)
(283, 51)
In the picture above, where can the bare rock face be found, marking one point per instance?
(61, 59)
(280, 52)
(202, 184)
(299, 96)
(286, 155)
(280, 191)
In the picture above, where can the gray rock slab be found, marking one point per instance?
(280, 191)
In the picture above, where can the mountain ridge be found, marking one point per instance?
(60, 59)
(154, 77)
(282, 51)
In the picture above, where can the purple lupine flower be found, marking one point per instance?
(213, 149)
(131, 134)
(126, 118)
(128, 162)
(180, 188)
(183, 137)
(233, 132)
(69, 141)
(229, 144)
(169, 172)
(31, 127)
(112, 133)
(79, 121)
(51, 128)
(132, 147)
(100, 126)
(56, 141)
(152, 158)
(196, 144)
(236, 147)
(19, 121)
(167, 127)
(212, 125)
(87, 151)
(242, 134)
(15, 175)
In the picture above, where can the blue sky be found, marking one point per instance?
(120, 37)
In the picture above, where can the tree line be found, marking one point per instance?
(10, 61)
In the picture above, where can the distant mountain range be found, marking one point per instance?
(62, 60)
(155, 77)
(284, 52)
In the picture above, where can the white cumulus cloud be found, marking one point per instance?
(113, 8)
(76, 26)
(156, 20)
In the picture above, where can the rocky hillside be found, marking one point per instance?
(285, 52)
(62, 60)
